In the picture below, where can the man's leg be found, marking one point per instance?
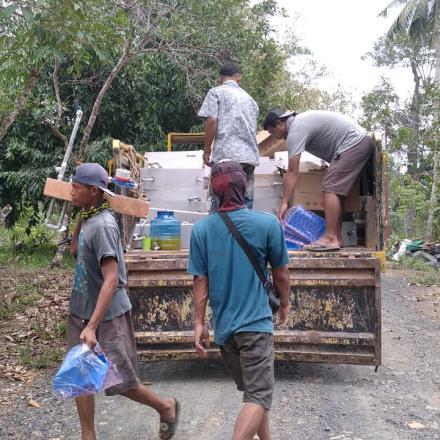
(333, 209)
(165, 407)
(250, 183)
(339, 228)
(337, 184)
(118, 342)
(264, 431)
(86, 412)
(85, 404)
(249, 421)
(257, 366)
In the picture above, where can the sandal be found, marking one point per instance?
(321, 248)
(170, 427)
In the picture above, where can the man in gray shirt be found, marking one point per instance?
(99, 305)
(231, 124)
(333, 137)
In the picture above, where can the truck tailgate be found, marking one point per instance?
(334, 312)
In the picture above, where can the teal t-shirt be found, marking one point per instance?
(237, 297)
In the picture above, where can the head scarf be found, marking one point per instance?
(228, 182)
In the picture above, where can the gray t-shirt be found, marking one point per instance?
(99, 237)
(323, 134)
(236, 113)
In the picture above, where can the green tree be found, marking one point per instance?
(35, 32)
(420, 18)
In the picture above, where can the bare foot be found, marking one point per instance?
(325, 242)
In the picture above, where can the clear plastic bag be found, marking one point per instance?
(85, 371)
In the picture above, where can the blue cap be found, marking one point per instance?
(92, 174)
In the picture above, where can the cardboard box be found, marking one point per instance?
(309, 193)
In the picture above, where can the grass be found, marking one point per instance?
(42, 360)
(421, 272)
(30, 248)
(33, 259)
(27, 296)
(46, 357)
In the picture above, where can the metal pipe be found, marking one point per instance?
(61, 171)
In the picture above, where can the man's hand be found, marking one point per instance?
(206, 157)
(201, 340)
(282, 315)
(88, 336)
(282, 210)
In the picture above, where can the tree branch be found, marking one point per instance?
(56, 87)
(20, 102)
(58, 133)
(123, 60)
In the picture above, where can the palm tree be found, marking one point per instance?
(418, 18)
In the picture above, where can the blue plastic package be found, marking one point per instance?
(85, 371)
(302, 227)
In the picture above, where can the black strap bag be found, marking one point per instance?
(274, 297)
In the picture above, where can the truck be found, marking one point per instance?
(335, 297)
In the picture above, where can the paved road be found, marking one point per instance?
(312, 402)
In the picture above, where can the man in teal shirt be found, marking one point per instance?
(242, 317)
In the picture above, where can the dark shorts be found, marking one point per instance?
(116, 338)
(346, 168)
(249, 359)
(250, 183)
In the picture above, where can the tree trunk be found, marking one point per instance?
(437, 54)
(61, 250)
(20, 102)
(433, 201)
(414, 124)
(123, 60)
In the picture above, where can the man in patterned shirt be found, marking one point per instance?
(231, 124)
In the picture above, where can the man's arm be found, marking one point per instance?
(74, 243)
(200, 298)
(210, 132)
(109, 269)
(290, 182)
(281, 281)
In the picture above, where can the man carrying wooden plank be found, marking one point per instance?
(333, 137)
(99, 305)
(231, 124)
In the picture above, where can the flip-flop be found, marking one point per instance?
(318, 248)
(170, 428)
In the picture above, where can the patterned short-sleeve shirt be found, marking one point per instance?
(236, 113)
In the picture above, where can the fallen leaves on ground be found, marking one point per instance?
(33, 309)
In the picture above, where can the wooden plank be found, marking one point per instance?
(123, 205)
(371, 233)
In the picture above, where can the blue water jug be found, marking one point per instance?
(165, 232)
(302, 227)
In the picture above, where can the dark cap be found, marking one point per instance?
(92, 174)
(226, 167)
(273, 115)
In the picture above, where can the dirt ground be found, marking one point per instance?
(312, 401)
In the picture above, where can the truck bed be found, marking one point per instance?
(334, 307)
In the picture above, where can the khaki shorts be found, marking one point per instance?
(249, 359)
(116, 338)
(346, 168)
